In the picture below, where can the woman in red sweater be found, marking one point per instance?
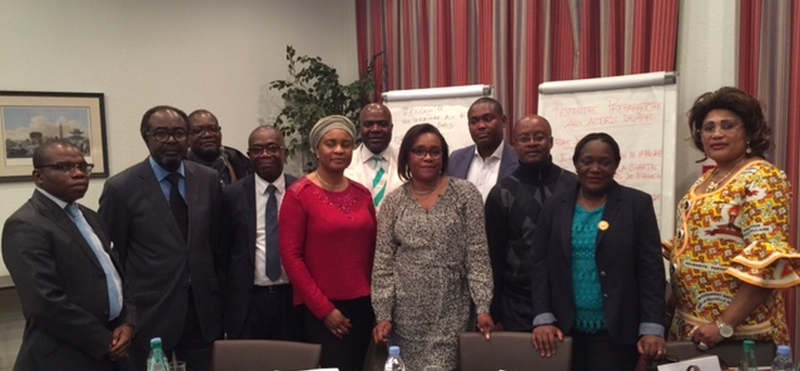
(327, 235)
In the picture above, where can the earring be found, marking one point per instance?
(749, 150)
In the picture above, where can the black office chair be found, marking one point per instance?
(510, 351)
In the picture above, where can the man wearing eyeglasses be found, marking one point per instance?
(512, 209)
(205, 139)
(490, 159)
(374, 161)
(78, 314)
(259, 304)
(163, 215)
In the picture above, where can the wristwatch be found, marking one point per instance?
(725, 330)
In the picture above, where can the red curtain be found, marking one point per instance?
(514, 45)
(769, 68)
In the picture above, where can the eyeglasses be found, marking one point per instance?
(709, 128)
(538, 138)
(421, 152)
(67, 168)
(203, 131)
(372, 124)
(272, 149)
(162, 135)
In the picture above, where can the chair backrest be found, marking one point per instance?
(264, 355)
(510, 351)
(729, 351)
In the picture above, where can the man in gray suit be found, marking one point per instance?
(77, 314)
(163, 215)
(259, 302)
(490, 159)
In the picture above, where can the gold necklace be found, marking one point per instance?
(712, 185)
(425, 193)
(326, 184)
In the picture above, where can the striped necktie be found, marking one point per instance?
(378, 183)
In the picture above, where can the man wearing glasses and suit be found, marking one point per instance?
(259, 300)
(163, 215)
(78, 316)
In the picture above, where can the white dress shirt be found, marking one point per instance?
(483, 173)
(262, 195)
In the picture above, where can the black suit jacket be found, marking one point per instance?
(628, 260)
(62, 287)
(159, 264)
(239, 243)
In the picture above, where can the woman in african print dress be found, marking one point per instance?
(731, 256)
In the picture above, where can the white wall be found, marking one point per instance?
(707, 60)
(218, 55)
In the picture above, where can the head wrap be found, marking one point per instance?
(328, 123)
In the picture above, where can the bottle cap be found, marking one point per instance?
(394, 350)
(749, 345)
(784, 350)
(155, 342)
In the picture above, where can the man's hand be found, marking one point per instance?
(120, 342)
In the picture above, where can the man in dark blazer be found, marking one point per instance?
(490, 159)
(163, 215)
(205, 148)
(77, 314)
(258, 303)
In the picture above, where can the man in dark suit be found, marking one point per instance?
(205, 142)
(163, 215)
(259, 297)
(77, 314)
(490, 159)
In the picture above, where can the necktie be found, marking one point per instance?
(378, 186)
(271, 230)
(114, 303)
(177, 205)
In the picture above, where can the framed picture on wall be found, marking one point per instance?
(28, 119)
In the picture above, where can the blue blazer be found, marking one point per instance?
(628, 259)
(460, 160)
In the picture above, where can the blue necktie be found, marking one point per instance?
(114, 303)
(271, 230)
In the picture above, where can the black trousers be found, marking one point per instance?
(273, 316)
(347, 353)
(598, 352)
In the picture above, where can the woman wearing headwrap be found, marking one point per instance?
(327, 235)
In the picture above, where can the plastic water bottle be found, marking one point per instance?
(783, 361)
(394, 363)
(156, 361)
(748, 361)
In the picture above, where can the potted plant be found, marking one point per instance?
(313, 91)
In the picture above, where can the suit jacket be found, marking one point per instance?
(356, 170)
(159, 264)
(628, 259)
(460, 160)
(239, 246)
(62, 287)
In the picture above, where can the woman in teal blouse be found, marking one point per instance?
(597, 270)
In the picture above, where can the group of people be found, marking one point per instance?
(409, 246)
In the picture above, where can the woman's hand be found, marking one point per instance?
(544, 339)
(485, 325)
(337, 323)
(652, 346)
(707, 335)
(380, 334)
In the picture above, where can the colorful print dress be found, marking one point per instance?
(737, 233)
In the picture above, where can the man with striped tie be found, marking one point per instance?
(374, 162)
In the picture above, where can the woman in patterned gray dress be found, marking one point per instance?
(431, 259)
